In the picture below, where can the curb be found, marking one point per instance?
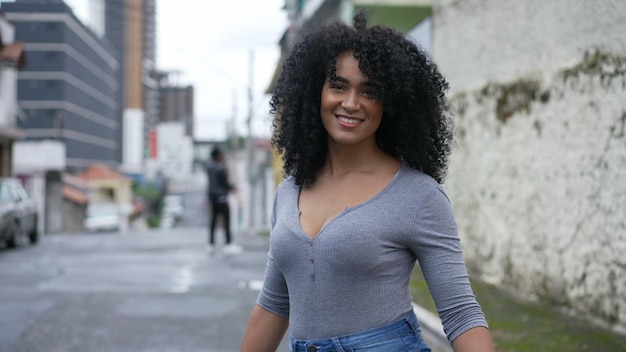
(431, 325)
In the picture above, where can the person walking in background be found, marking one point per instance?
(218, 189)
(362, 124)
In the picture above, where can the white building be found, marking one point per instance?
(11, 60)
(171, 152)
(35, 160)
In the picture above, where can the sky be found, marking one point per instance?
(220, 49)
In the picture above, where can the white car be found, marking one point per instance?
(102, 217)
(173, 206)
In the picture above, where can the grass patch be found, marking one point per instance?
(522, 326)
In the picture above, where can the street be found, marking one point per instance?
(152, 291)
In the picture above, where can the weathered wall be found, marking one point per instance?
(538, 181)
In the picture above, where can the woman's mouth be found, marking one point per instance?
(348, 121)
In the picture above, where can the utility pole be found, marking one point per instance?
(250, 147)
(232, 130)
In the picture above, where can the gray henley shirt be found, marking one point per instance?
(354, 275)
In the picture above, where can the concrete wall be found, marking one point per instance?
(73, 216)
(538, 181)
(38, 156)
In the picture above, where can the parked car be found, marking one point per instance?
(102, 217)
(18, 213)
(173, 206)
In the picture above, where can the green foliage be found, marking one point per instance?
(153, 221)
(152, 196)
(522, 326)
(146, 191)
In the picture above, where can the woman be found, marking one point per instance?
(362, 127)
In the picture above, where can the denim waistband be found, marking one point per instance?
(406, 324)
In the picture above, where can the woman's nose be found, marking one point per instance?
(351, 101)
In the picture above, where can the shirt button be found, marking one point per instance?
(311, 348)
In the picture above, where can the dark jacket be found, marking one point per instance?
(218, 181)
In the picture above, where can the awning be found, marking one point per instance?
(13, 53)
(12, 133)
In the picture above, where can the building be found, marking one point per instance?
(12, 59)
(176, 102)
(171, 152)
(130, 26)
(108, 189)
(69, 90)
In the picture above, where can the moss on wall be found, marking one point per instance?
(517, 96)
(607, 66)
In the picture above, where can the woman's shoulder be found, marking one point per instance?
(415, 178)
(413, 182)
(416, 188)
(287, 185)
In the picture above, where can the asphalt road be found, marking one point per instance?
(154, 291)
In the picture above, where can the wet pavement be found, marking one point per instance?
(152, 291)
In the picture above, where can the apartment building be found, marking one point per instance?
(69, 91)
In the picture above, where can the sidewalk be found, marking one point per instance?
(432, 330)
(523, 326)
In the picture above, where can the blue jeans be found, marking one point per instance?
(402, 335)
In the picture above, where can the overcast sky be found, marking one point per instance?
(211, 44)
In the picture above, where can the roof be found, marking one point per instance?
(74, 195)
(101, 172)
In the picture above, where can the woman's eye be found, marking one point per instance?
(371, 94)
(335, 86)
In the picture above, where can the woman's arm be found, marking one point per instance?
(477, 339)
(265, 331)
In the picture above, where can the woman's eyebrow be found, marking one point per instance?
(338, 79)
(343, 80)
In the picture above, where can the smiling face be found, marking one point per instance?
(351, 108)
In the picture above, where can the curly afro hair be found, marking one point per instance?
(415, 126)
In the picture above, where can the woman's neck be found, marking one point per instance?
(343, 159)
